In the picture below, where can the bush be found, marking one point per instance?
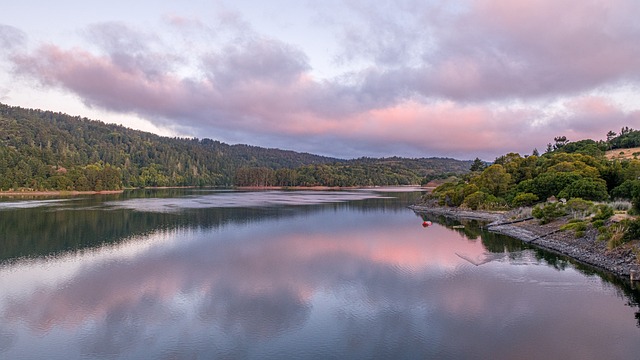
(482, 201)
(524, 199)
(630, 189)
(586, 188)
(621, 205)
(548, 212)
(633, 229)
(602, 212)
(579, 208)
(617, 235)
(475, 200)
(579, 227)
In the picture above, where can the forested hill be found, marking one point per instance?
(44, 150)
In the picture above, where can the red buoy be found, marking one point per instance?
(426, 223)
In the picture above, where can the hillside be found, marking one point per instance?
(622, 154)
(44, 150)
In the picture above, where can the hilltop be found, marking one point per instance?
(44, 150)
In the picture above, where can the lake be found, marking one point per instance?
(206, 274)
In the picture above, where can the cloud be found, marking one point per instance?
(11, 37)
(421, 78)
(494, 49)
(256, 60)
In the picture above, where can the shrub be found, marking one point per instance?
(626, 190)
(476, 200)
(617, 234)
(579, 208)
(633, 229)
(579, 227)
(548, 212)
(630, 189)
(602, 212)
(586, 188)
(482, 201)
(621, 205)
(524, 199)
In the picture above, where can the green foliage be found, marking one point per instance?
(633, 229)
(45, 150)
(494, 180)
(615, 236)
(548, 212)
(579, 208)
(483, 201)
(476, 200)
(524, 199)
(578, 227)
(478, 165)
(628, 138)
(586, 147)
(602, 212)
(450, 194)
(549, 183)
(586, 188)
(627, 190)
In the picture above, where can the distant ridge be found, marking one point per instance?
(45, 150)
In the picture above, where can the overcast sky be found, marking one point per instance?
(353, 78)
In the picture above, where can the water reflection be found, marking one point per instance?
(339, 280)
(37, 228)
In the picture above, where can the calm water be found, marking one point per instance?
(273, 275)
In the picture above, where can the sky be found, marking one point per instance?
(352, 78)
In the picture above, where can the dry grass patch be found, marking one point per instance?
(633, 153)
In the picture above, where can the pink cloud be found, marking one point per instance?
(450, 89)
(104, 288)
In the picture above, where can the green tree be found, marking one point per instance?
(494, 180)
(548, 212)
(586, 188)
(478, 165)
(524, 199)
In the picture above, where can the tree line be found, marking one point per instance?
(44, 150)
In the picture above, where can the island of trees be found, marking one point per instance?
(44, 150)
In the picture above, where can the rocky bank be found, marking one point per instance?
(620, 261)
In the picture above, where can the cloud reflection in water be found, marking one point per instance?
(335, 282)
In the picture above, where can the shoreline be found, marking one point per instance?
(57, 193)
(620, 261)
(46, 193)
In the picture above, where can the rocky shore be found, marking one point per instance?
(620, 261)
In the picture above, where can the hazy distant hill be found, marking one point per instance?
(47, 150)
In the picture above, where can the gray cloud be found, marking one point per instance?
(488, 50)
(487, 67)
(11, 37)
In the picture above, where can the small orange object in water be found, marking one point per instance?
(426, 223)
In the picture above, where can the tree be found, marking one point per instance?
(586, 188)
(549, 183)
(524, 199)
(560, 141)
(548, 212)
(494, 180)
(549, 148)
(478, 165)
